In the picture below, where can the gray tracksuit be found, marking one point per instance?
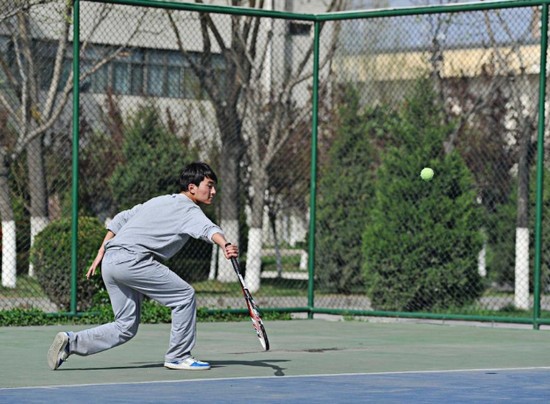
(159, 228)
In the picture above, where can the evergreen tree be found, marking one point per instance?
(422, 241)
(152, 160)
(345, 192)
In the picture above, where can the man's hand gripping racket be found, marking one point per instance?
(252, 308)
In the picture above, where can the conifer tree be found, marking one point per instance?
(422, 239)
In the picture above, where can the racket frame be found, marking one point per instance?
(253, 310)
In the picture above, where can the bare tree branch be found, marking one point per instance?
(59, 58)
(11, 7)
(56, 101)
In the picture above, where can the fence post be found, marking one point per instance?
(76, 127)
(313, 180)
(540, 165)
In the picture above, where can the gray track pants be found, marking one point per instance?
(128, 277)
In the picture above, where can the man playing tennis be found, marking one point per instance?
(135, 240)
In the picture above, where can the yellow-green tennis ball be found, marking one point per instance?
(427, 174)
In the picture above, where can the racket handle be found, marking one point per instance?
(234, 261)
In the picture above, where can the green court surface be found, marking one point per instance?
(298, 347)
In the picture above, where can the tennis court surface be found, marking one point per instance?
(310, 361)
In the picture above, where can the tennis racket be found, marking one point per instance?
(252, 308)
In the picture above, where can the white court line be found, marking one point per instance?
(404, 372)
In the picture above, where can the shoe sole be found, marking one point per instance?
(58, 345)
(194, 369)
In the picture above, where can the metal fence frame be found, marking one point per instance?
(317, 20)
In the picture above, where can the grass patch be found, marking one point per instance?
(270, 287)
(288, 262)
(26, 286)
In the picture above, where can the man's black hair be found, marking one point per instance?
(194, 173)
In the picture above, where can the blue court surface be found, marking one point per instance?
(310, 361)
(476, 386)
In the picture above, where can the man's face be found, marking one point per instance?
(204, 193)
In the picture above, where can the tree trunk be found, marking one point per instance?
(278, 259)
(37, 190)
(230, 187)
(521, 299)
(255, 234)
(526, 125)
(9, 257)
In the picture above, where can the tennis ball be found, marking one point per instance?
(427, 174)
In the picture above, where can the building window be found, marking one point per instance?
(136, 71)
(100, 80)
(128, 73)
(174, 74)
(165, 74)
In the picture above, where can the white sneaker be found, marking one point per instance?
(189, 363)
(59, 350)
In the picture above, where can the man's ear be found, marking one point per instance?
(192, 188)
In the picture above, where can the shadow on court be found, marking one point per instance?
(129, 366)
(312, 360)
(277, 370)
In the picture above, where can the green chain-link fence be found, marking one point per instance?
(318, 127)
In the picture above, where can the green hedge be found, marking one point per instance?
(151, 313)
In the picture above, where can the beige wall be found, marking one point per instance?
(456, 62)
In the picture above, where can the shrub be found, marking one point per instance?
(423, 239)
(51, 256)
